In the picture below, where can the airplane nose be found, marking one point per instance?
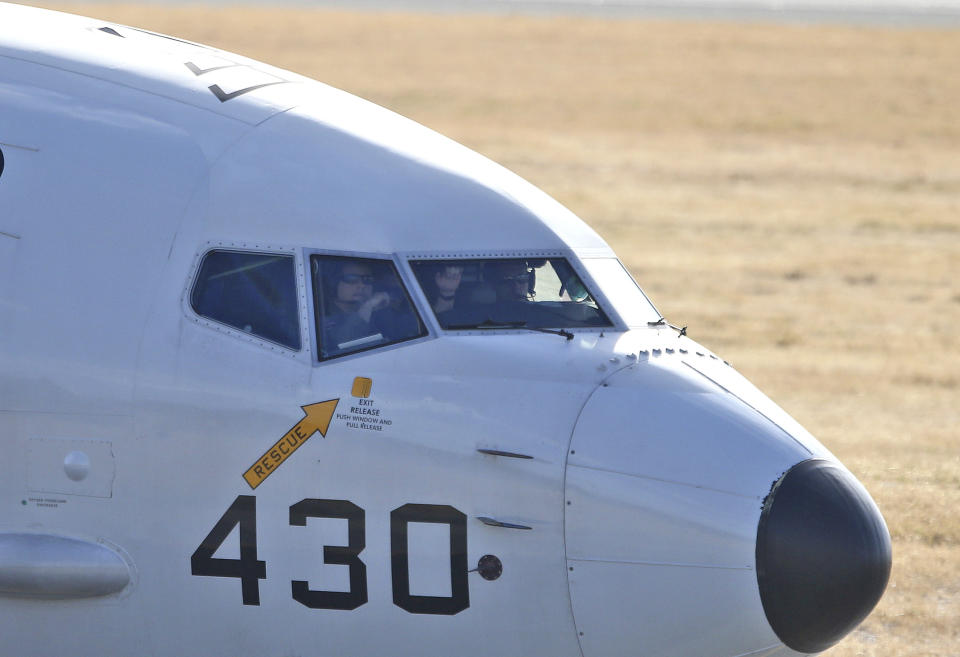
(676, 542)
(823, 555)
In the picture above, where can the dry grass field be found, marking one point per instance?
(792, 193)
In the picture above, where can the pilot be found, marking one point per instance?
(511, 279)
(352, 303)
(442, 287)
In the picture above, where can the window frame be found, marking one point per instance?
(410, 285)
(632, 278)
(220, 327)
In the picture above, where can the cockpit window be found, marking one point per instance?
(508, 293)
(618, 285)
(253, 292)
(360, 303)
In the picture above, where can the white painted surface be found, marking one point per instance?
(630, 609)
(42, 567)
(74, 467)
(619, 517)
(660, 419)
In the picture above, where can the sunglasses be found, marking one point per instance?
(524, 278)
(353, 279)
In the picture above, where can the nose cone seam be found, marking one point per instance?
(823, 555)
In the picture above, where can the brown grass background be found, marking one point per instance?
(792, 193)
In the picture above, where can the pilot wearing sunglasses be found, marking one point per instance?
(512, 279)
(353, 305)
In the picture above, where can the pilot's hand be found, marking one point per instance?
(374, 303)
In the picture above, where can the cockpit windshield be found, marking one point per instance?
(622, 291)
(507, 293)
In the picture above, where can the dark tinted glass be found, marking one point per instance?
(361, 304)
(253, 292)
(508, 293)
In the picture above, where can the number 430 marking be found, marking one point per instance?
(249, 570)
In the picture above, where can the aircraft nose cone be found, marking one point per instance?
(823, 555)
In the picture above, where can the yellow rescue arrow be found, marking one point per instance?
(316, 418)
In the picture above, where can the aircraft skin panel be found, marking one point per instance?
(436, 424)
(68, 98)
(301, 178)
(735, 384)
(663, 503)
(630, 519)
(207, 78)
(89, 465)
(112, 216)
(58, 568)
(617, 616)
(682, 429)
(443, 164)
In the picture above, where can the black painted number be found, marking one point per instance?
(250, 571)
(459, 599)
(347, 556)
(247, 568)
